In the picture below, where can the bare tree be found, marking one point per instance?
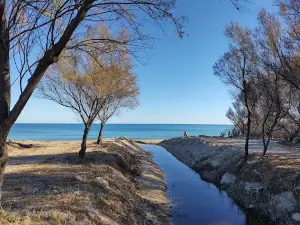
(237, 68)
(125, 91)
(265, 71)
(238, 116)
(112, 109)
(34, 33)
(83, 88)
(290, 11)
(290, 124)
(241, 5)
(273, 105)
(277, 62)
(279, 48)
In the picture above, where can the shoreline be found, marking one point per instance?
(113, 185)
(268, 186)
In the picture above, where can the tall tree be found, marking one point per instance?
(278, 62)
(290, 11)
(237, 68)
(34, 33)
(279, 50)
(273, 105)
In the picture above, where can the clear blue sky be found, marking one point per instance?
(177, 83)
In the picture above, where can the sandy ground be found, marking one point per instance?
(268, 185)
(256, 146)
(117, 183)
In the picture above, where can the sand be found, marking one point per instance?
(117, 183)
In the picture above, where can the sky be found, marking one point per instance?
(177, 83)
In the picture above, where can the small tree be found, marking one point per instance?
(270, 106)
(125, 91)
(237, 68)
(79, 84)
(112, 109)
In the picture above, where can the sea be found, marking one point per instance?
(27, 131)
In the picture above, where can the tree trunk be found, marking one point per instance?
(269, 135)
(84, 139)
(266, 147)
(265, 142)
(4, 89)
(3, 159)
(99, 140)
(263, 137)
(4, 66)
(247, 136)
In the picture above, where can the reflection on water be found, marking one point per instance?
(196, 202)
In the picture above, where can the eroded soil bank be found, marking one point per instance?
(117, 183)
(268, 186)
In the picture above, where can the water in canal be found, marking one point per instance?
(195, 202)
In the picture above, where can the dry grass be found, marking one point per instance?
(49, 185)
(278, 172)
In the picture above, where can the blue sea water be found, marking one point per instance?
(22, 131)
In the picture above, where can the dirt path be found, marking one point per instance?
(256, 146)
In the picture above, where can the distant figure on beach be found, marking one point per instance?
(185, 133)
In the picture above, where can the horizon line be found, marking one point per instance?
(132, 123)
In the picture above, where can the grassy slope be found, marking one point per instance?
(278, 172)
(47, 184)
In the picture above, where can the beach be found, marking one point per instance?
(46, 183)
(118, 182)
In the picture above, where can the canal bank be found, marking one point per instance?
(194, 201)
(268, 186)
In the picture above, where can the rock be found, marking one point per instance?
(214, 164)
(297, 189)
(285, 202)
(61, 216)
(102, 182)
(201, 166)
(203, 158)
(85, 221)
(240, 163)
(251, 206)
(80, 178)
(97, 216)
(210, 176)
(54, 190)
(253, 187)
(32, 191)
(227, 179)
(296, 216)
(77, 192)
